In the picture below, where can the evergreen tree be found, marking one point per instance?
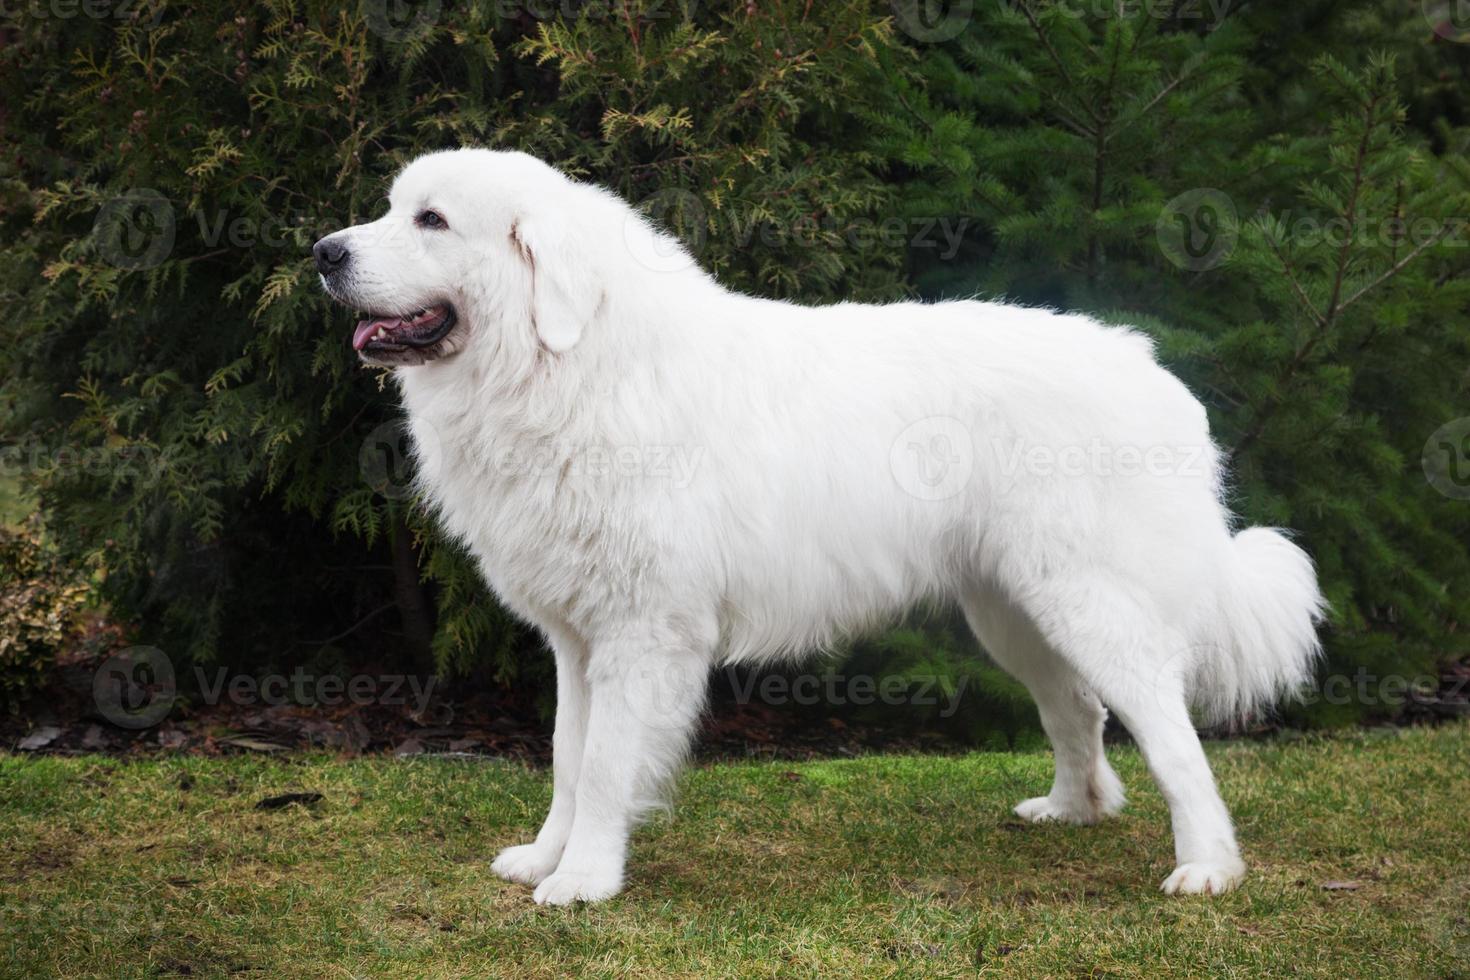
(1304, 268)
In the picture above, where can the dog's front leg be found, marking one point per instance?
(532, 863)
(646, 695)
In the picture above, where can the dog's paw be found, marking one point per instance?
(1204, 878)
(1107, 789)
(1044, 808)
(566, 887)
(529, 864)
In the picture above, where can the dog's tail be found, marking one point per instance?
(1265, 634)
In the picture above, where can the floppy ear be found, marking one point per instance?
(565, 288)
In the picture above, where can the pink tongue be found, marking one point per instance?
(366, 329)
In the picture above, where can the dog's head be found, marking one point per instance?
(477, 245)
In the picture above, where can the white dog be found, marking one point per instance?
(663, 476)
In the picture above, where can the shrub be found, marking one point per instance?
(40, 600)
(165, 174)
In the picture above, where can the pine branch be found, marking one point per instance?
(1326, 321)
(1275, 402)
(927, 124)
(1061, 66)
(1100, 160)
(1344, 254)
(1051, 51)
(1395, 269)
(1296, 286)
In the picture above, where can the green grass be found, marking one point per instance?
(880, 866)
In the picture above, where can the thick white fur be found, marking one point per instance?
(840, 464)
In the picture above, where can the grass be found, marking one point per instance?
(888, 866)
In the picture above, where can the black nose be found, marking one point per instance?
(330, 256)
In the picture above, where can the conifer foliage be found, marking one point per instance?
(1280, 197)
(1299, 251)
(178, 391)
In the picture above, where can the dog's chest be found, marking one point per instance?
(548, 537)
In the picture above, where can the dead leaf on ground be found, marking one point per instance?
(253, 744)
(39, 739)
(1341, 886)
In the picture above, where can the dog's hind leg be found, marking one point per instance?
(647, 687)
(1085, 788)
(1139, 667)
(534, 862)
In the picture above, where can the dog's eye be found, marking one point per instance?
(431, 219)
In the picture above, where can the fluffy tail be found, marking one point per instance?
(1265, 636)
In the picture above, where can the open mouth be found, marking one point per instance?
(390, 335)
